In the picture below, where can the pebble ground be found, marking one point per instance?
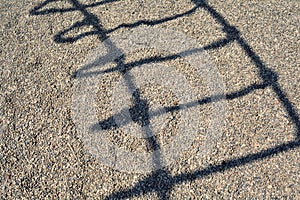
(42, 155)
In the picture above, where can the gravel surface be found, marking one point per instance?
(253, 44)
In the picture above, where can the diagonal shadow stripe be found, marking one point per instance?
(150, 184)
(109, 123)
(154, 59)
(37, 10)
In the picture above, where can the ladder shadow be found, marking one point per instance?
(269, 79)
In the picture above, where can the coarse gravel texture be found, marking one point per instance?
(42, 155)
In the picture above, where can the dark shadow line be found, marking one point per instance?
(288, 107)
(141, 188)
(94, 21)
(154, 59)
(100, 3)
(52, 11)
(269, 76)
(154, 22)
(140, 114)
(59, 38)
(232, 163)
(110, 123)
(35, 10)
(89, 20)
(216, 98)
(161, 182)
(265, 73)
